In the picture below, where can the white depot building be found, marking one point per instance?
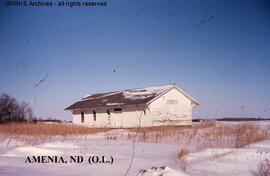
(144, 107)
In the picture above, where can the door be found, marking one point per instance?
(117, 117)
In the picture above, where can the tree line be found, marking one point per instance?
(12, 110)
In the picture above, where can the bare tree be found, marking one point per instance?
(13, 110)
(25, 111)
(8, 107)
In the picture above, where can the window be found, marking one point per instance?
(108, 116)
(108, 112)
(95, 115)
(172, 102)
(117, 109)
(82, 116)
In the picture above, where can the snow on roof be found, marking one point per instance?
(147, 92)
(125, 97)
(99, 95)
(88, 95)
(114, 104)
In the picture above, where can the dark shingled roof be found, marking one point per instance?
(121, 98)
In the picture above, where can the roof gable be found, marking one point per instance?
(179, 90)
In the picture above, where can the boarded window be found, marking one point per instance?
(82, 116)
(94, 116)
(117, 109)
(108, 116)
(172, 102)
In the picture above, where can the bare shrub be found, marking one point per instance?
(263, 169)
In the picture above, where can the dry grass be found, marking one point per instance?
(204, 125)
(201, 135)
(47, 129)
(263, 169)
(34, 134)
(235, 135)
(161, 133)
(182, 156)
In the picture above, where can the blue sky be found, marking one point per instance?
(218, 51)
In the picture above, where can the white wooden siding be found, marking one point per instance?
(165, 112)
(173, 108)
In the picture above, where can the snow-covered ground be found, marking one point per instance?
(12, 160)
(220, 161)
(150, 159)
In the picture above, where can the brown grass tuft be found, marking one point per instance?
(263, 169)
(182, 155)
